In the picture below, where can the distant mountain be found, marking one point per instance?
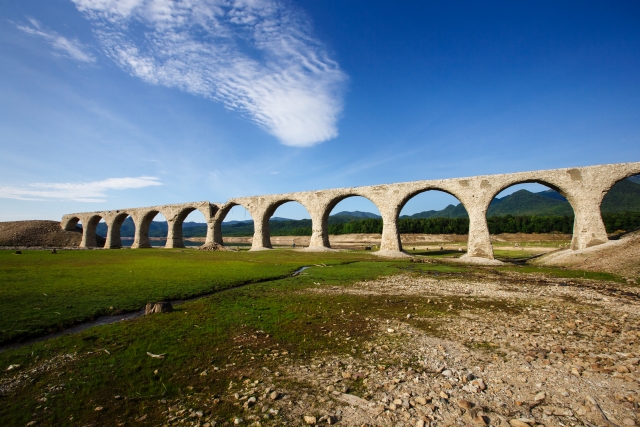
(524, 202)
(553, 194)
(354, 215)
(237, 222)
(635, 179)
(450, 211)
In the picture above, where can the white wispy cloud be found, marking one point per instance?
(70, 48)
(76, 191)
(258, 57)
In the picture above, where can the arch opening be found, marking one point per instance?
(234, 227)
(353, 222)
(620, 207)
(527, 219)
(75, 225)
(158, 231)
(289, 225)
(193, 225)
(122, 231)
(433, 223)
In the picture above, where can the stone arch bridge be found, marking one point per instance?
(584, 188)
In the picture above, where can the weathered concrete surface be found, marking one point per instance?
(142, 217)
(584, 188)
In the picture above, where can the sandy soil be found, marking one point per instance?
(616, 256)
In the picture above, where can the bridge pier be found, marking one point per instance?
(479, 243)
(114, 222)
(142, 221)
(261, 238)
(390, 245)
(174, 234)
(319, 241)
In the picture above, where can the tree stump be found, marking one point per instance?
(158, 307)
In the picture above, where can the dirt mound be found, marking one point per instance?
(616, 256)
(38, 233)
(215, 247)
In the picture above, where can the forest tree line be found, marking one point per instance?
(497, 224)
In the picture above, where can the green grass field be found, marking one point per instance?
(229, 334)
(42, 292)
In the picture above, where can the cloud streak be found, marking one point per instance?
(79, 192)
(256, 57)
(62, 46)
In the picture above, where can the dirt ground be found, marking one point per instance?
(616, 256)
(541, 352)
(37, 233)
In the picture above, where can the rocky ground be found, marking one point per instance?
(37, 233)
(541, 352)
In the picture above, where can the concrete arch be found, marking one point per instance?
(556, 186)
(175, 216)
(618, 177)
(69, 222)
(220, 214)
(268, 212)
(415, 193)
(542, 181)
(410, 195)
(328, 207)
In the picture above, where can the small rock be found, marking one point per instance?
(12, 367)
(478, 382)
(518, 423)
(622, 369)
(421, 400)
(420, 423)
(238, 421)
(98, 408)
(309, 420)
(540, 396)
(444, 395)
(274, 395)
(142, 418)
(390, 330)
(480, 420)
(465, 404)
(628, 422)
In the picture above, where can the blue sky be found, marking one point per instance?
(107, 104)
